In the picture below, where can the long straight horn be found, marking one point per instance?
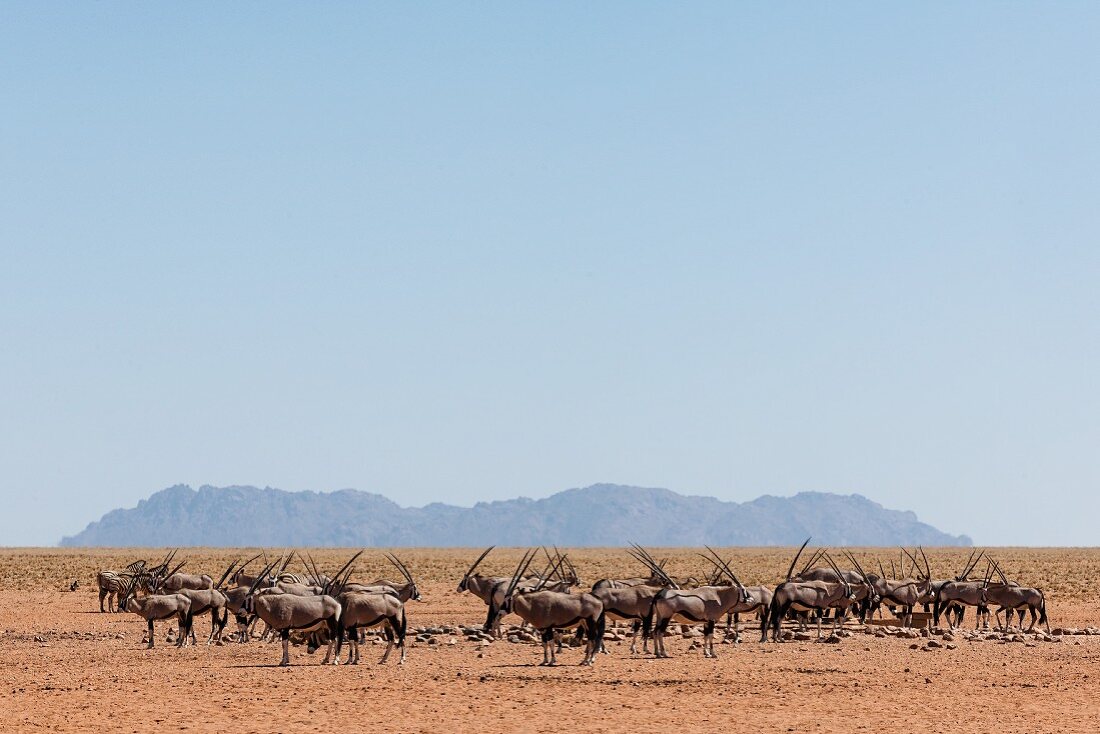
(967, 566)
(724, 566)
(859, 568)
(972, 565)
(881, 570)
(336, 586)
(814, 558)
(649, 560)
(521, 569)
(261, 577)
(839, 575)
(226, 574)
(911, 558)
(550, 559)
(795, 559)
(653, 568)
(289, 558)
(250, 560)
(927, 567)
(555, 570)
(647, 556)
(342, 569)
(477, 562)
(400, 566)
(315, 572)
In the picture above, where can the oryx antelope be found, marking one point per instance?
(631, 600)
(955, 596)
(363, 610)
(1009, 597)
(404, 591)
(553, 611)
(704, 604)
(907, 593)
(809, 596)
(158, 607)
(284, 613)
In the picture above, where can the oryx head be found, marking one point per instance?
(723, 567)
(873, 598)
(248, 605)
(414, 593)
(464, 584)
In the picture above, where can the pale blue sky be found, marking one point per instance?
(464, 252)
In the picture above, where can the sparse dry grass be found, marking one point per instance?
(1071, 574)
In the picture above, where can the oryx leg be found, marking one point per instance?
(659, 639)
(635, 629)
(390, 644)
(708, 640)
(333, 628)
(594, 632)
(548, 657)
(150, 633)
(286, 649)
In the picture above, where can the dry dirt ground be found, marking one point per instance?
(66, 667)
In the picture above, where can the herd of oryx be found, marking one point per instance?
(317, 609)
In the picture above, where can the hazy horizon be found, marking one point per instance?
(455, 253)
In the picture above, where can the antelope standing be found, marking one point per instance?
(286, 612)
(553, 611)
(158, 607)
(1010, 597)
(808, 596)
(955, 596)
(703, 604)
(365, 609)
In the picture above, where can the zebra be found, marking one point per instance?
(111, 583)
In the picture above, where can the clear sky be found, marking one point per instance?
(464, 252)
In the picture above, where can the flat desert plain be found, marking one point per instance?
(66, 667)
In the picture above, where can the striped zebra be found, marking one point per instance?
(116, 584)
(304, 580)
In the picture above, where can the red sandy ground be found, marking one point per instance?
(79, 676)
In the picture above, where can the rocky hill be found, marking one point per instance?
(600, 515)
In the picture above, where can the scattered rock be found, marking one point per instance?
(933, 644)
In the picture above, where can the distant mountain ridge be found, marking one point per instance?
(599, 515)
